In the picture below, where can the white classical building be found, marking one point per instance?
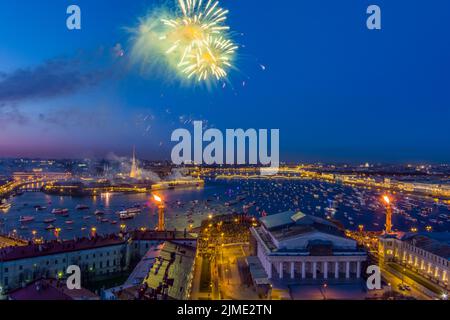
(299, 247)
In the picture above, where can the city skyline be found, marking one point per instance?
(346, 93)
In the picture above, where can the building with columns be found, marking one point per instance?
(427, 254)
(303, 248)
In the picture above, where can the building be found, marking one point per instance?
(299, 247)
(165, 272)
(427, 254)
(50, 289)
(135, 172)
(98, 257)
(172, 273)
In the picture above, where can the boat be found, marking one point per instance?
(69, 221)
(126, 215)
(114, 222)
(134, 210)
(50, 227)
(49, 220)
(99, 212)
(40, 208)
(5, 206)
(25, 219)
(60, 211)
(81, 207)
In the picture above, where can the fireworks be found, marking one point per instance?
(194, 40)
(211, 58)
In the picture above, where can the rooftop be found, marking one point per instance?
(162, 235)
(288, 224)
(172, 269)
(51, 289)
(56, 247)
(437, 243)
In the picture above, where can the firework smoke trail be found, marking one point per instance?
(193, 41)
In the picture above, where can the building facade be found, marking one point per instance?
(425, 253)
(98, 257)
(298, 247)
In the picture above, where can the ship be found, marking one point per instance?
(129, 213)
(81, 207)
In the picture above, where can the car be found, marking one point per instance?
(401, 287)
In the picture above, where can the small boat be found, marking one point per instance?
(40, 208)
(50, 227)
(81, 207)
(99, 212)
(49, 220)
(25, 219)
(114, 222)
(59, 211)
(69, 221)
(86, 217)
(5, 206)
(104, 220)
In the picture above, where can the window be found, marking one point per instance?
(56, 261)
(6, 270)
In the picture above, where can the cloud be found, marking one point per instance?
(10, 114)
(53, 78)
(94, 117)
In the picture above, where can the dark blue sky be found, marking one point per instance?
(336, 91)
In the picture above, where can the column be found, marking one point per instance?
(325, 270)
(292, 270)
(314, 270)
(347, 269)
(303, 270)
(281, 270)
(336, 270)
(358, 269)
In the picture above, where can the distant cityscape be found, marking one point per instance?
(145, 230)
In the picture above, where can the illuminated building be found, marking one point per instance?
(299, 247)
(135, 173)
(427, 254)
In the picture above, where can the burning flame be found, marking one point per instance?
(387, 199)
(157, 198)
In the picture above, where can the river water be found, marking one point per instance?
(188, 207)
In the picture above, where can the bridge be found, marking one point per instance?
(30, 181)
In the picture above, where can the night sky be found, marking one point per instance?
(336, 90)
